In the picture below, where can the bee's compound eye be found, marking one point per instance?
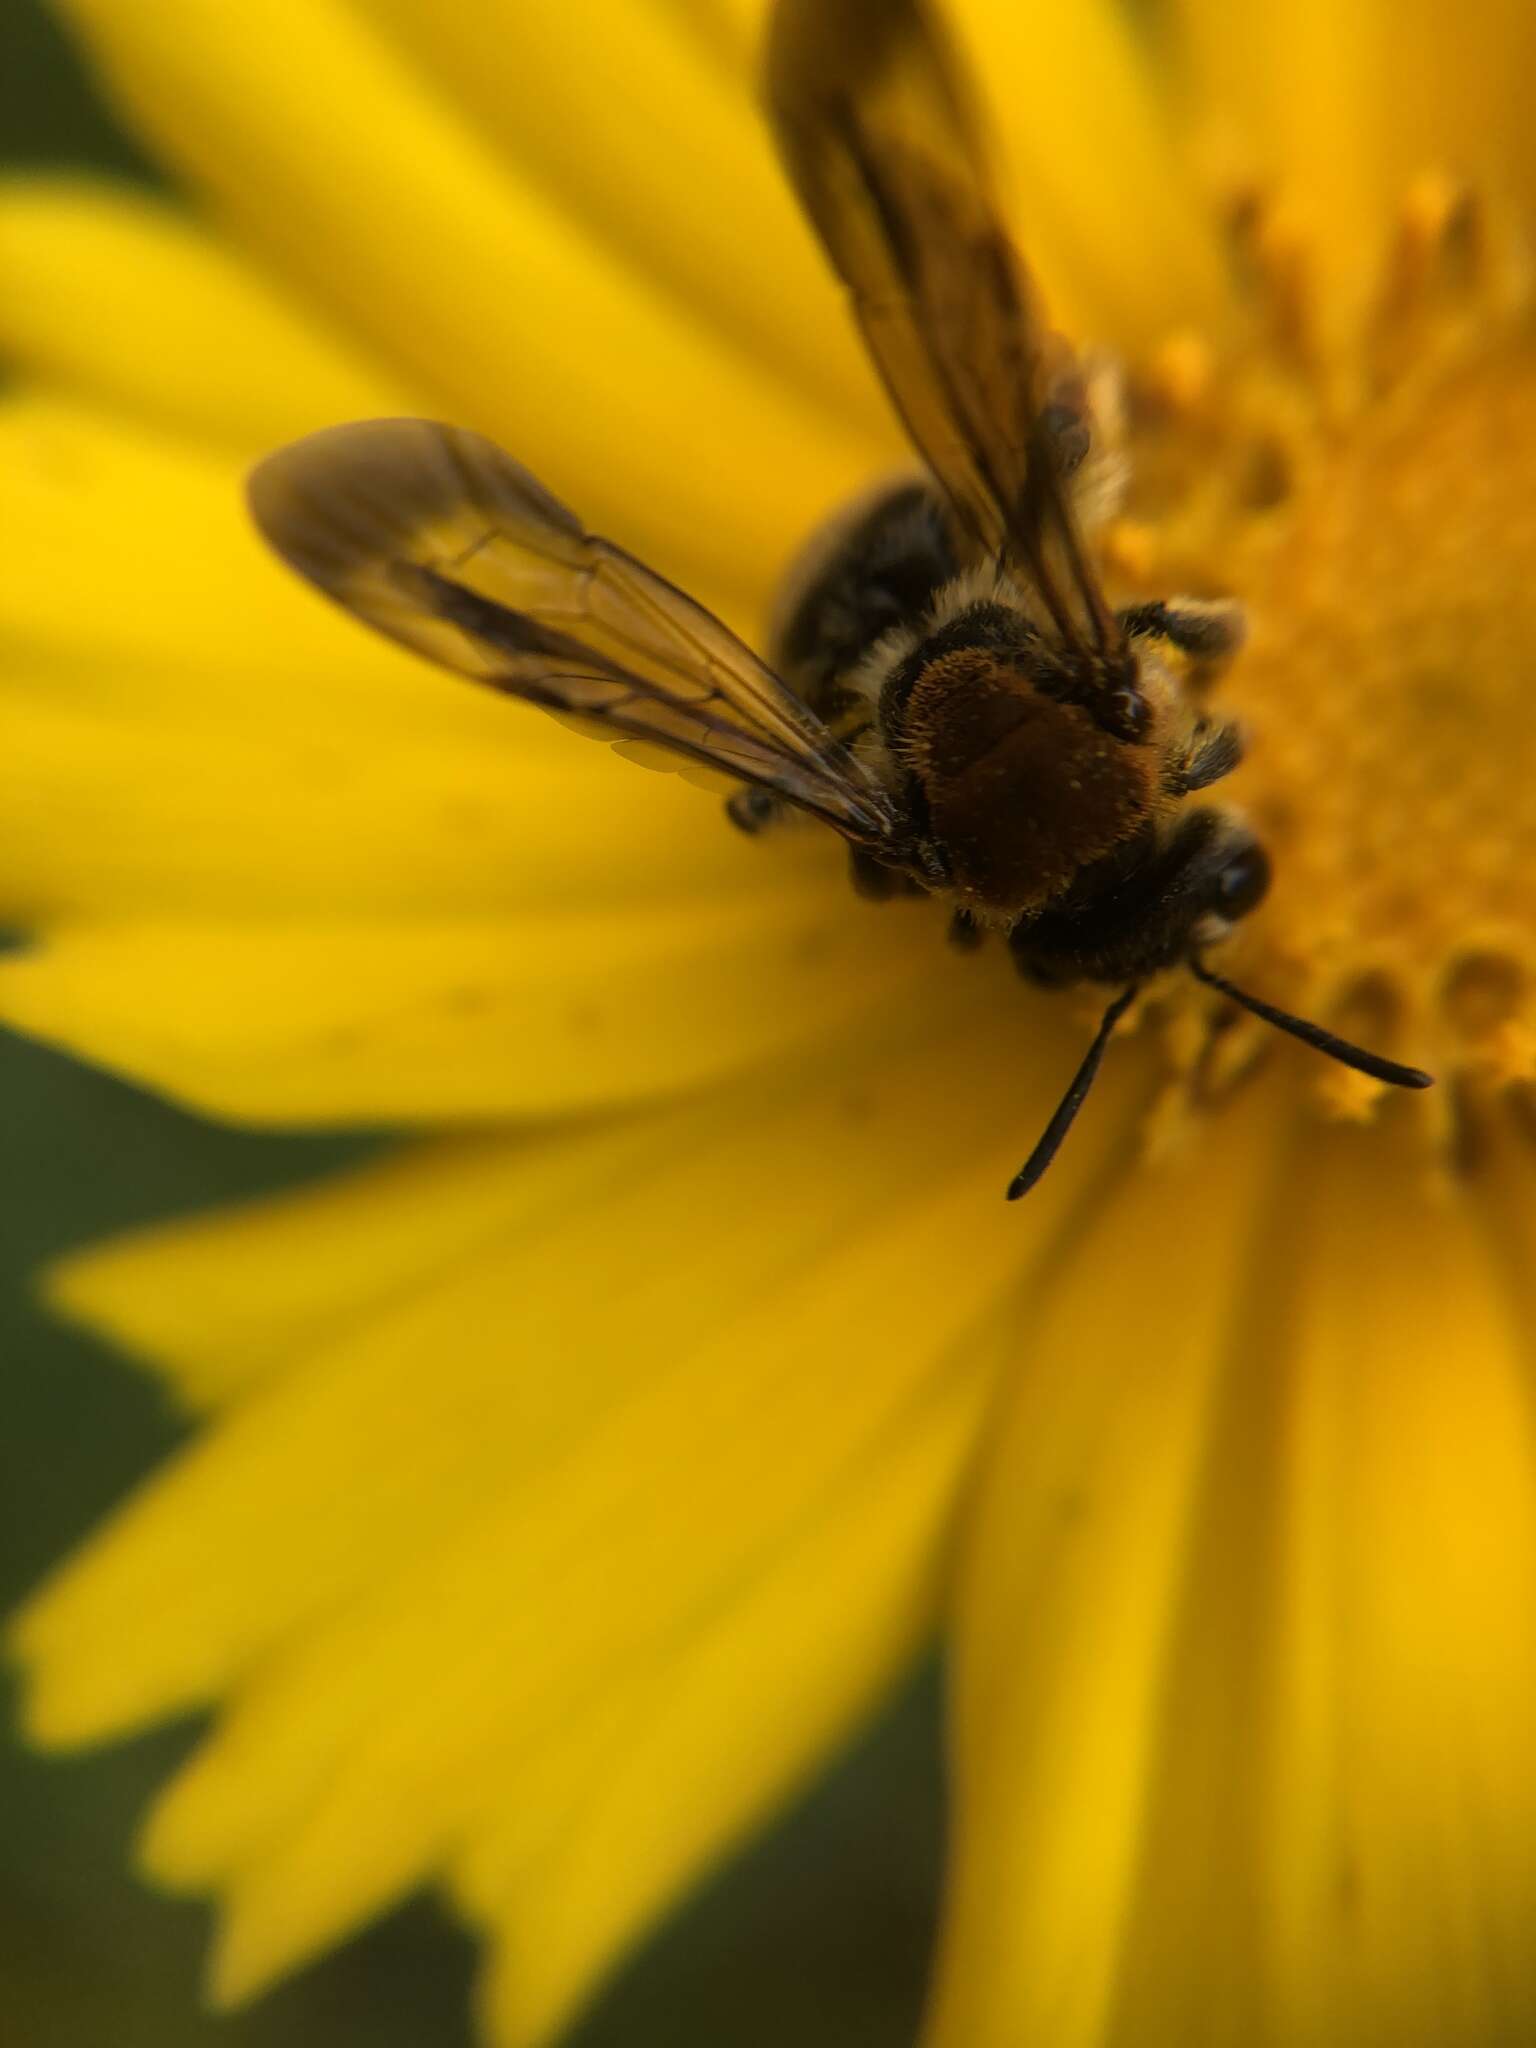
(1241, 883)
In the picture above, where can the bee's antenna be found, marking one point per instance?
(1314, 1035)
(1072, 1101)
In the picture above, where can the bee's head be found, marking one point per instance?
(1207, 876)
(1226, 874)
(1152, 905)
(1210, 874)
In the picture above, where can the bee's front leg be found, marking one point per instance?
(1209, 631)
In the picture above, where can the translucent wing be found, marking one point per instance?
(432, 535)
(881, 143)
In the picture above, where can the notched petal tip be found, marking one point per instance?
(59, 1697)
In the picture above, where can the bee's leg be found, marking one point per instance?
(964, 932)
(878, 882)
(1209, 631)
(1215, 749)
(1211, 628)
(753, 810)
(1037, 966)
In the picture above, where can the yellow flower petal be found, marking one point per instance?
(368, 189)
(161, 806)
(222, 1303)
(1399, 1829)
(123, 543)
(702, 1752)
(1273, 1767)
(697, 205)
(713, 1715)
(1104, 207)
(529, 1012)
(1070, 1589)
(203, 342)
(157, 533)
(1295, 91)
(727, 32)
(1460, 91)
(1339, 109)
(134, 780)
(525, 1295)
(434, 1601)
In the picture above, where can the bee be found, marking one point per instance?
(950, 689)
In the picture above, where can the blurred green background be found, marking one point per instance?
(818, 1934)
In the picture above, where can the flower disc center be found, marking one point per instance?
(1390, 689)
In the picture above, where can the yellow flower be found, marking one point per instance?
(572, 1482)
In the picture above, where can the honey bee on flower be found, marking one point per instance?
(1019, 748)
(570, 1482)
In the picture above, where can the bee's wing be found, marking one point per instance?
(434, 536)
(881, 143)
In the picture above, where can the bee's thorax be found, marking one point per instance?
(1021, 785)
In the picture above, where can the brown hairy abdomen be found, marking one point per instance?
(1022, 790)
